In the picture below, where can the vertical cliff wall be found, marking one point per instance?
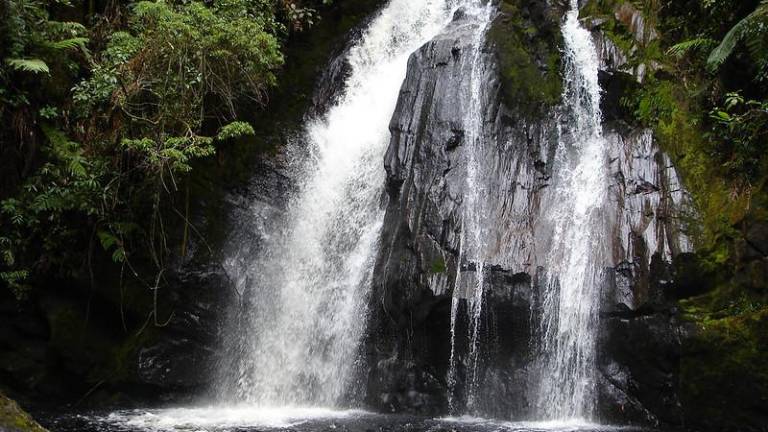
(409, 346)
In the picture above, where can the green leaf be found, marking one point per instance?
(738, 32)
(234, 130)
(681, 49)
(107, 240)
(118, 255)
(28, 65)
(8, 258)
(71, 43)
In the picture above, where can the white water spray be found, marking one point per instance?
(473, 244)
(577, 253)
(308, 291)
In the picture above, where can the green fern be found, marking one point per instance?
(28, 65)
(66, 27)
(683, 48)
(751, 23)
(71, 43)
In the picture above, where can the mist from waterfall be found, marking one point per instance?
(305, 296)
(575, 222)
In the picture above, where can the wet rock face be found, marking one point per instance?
(181, 361)
(409, 346)
(419, 259)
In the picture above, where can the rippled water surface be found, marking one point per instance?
(218, 419)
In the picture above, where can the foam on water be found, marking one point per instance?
(219, 418)
(570, 425)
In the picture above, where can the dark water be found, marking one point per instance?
(222, 419)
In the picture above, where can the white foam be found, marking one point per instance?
(216, 418)
(566, 425)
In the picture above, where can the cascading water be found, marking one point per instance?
(307, 293)
(577, 252)
(473, 243)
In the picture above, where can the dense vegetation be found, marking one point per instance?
(705, 94)
(106, 105)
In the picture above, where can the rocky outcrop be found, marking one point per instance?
(15, 419)
(180, 362)
(633, 30)
(409, 347)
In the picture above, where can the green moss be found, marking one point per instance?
(529, 59)
(14, 419)
(123, 359)
(645, 52)
(599, 8)
(438, 266)
(676, 116)
(723, 379)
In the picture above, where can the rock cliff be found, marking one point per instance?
(410, 331)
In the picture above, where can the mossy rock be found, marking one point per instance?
(724, 379)
(600, 8)
(15, 419)
(527, 41)
(438, 265)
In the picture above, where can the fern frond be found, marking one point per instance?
(757, 45)
(71, 43)
(721, 53)
(28, 65)
(66, 27)
(685, 47)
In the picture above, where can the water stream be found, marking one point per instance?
(307, 293)
(473, 241)
(577, 253)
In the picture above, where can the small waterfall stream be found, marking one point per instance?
(474, 226)
(571, 234)
(578, 250)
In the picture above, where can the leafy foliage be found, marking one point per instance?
(753, 29)
(28, 65)
(695, 45)
(109, 115)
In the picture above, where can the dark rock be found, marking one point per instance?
(183, 355)
(757, 237)
(331, 84)
(616, 85)
(640, 366)
(419, 262)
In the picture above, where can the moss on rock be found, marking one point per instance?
(15, 419)
(438, 265)
(724, 380)
(527, 41)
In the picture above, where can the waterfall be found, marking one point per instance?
(574, 220)
(473, 233)
(306, 293)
